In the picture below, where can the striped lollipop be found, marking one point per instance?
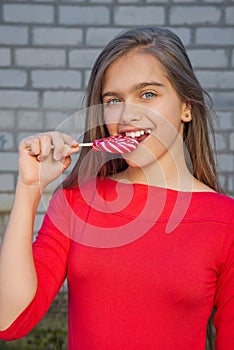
(115, 144)
(111, 144)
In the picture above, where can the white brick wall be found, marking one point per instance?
(47, 48)
(14, 35)
(23, 13)
(142, 15)
(87, 15)
(35, 57)
(191, 15)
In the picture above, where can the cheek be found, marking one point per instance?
(112, 118)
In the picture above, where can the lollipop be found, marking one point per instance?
(113, 144)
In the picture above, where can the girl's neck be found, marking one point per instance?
(168, 175)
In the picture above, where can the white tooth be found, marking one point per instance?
(142, 132)
(132, 134)
(137, 133)
(149, 131)
(128, 134)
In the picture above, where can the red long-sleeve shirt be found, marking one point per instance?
(145, 266)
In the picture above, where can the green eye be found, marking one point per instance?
(114, 101)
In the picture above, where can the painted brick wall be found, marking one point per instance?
(47, 48)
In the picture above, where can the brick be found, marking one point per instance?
(100, 36)
(226, 162)
(41, 57)
(30, 120)
(6, 141)
(222, 100)
(232, 141)
(53, 120)
(7, 182)
(214, 36)
(57, 36)
(208, 58)
(62, 99)
(13, 78)
(87, 76)
(13, 35)
(18, 98)
(230, 186)
(221, 142)
(183, 1)
(194, 15)
(183, 33)
(222, 179)
(147, 15)
(100, 1)
(216, 79)
(77, 1)
(213, 1)
(56, 79)
(128, 1)
(5, 57)
(84, 15)
(25, 134)
(225, 121)
(3, 221)
(42, 0)
(8, 161)
(83, 58)
(6, 201)
(157, 1)
(71, 123)
(229, 15)
(7, 120)
(28, 13)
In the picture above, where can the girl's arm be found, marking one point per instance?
(39, 164)
(224, 298)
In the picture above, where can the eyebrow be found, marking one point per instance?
(136, 87)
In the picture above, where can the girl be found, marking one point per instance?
(146, 240)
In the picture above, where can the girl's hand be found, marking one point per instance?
(43, 157)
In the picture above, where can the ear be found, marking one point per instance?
(186, 115)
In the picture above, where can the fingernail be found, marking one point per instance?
(74, 143)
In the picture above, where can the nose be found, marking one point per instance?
(130, 113)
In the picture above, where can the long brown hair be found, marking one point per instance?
(168, 49)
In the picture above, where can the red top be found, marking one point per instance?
(145, 266)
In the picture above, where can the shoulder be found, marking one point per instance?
(213, 206)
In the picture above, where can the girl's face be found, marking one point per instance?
(139, 101)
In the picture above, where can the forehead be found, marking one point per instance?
(133, 67)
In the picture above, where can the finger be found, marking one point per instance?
(31, 144)
(45, 146)
(69, 140)
(68, 150)
(58, 145)
(66, 162)
(63, 145)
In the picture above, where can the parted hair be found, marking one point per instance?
(167, 48)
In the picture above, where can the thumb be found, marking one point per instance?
(66, 162)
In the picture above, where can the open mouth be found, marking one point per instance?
(140, 135)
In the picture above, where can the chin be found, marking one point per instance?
(140, 161)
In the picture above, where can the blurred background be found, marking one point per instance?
(47, 48)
